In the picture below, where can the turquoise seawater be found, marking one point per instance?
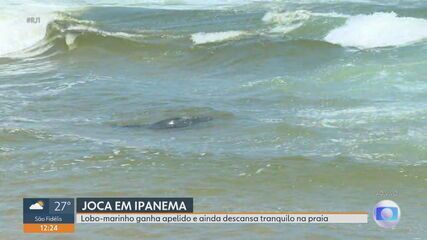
(315, 106)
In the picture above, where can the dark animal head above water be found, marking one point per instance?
(179, 122)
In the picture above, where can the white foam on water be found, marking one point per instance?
(331, 15)
(286, 17)
(379, 30)
(285, 29)
(70, 39)
(83, 28)
(204, 38)
(76, 30)
(285, 22)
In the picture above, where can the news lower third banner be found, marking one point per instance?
(46, 215)
(212, 217)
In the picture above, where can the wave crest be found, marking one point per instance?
(378, 30)
(286, 21)
(204, 38)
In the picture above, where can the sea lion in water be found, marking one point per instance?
(179, 122)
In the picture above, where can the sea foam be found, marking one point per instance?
(203, 38)
(378, 30)
(286, 17)
(285, 22)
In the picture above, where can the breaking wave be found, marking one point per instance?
(203, 38)
(378, 30)
(56, 30)
(285, 22)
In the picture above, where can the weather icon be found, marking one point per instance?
(37, 206)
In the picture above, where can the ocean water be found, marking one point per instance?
(316, 106)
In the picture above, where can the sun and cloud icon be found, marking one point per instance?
(37, 206)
